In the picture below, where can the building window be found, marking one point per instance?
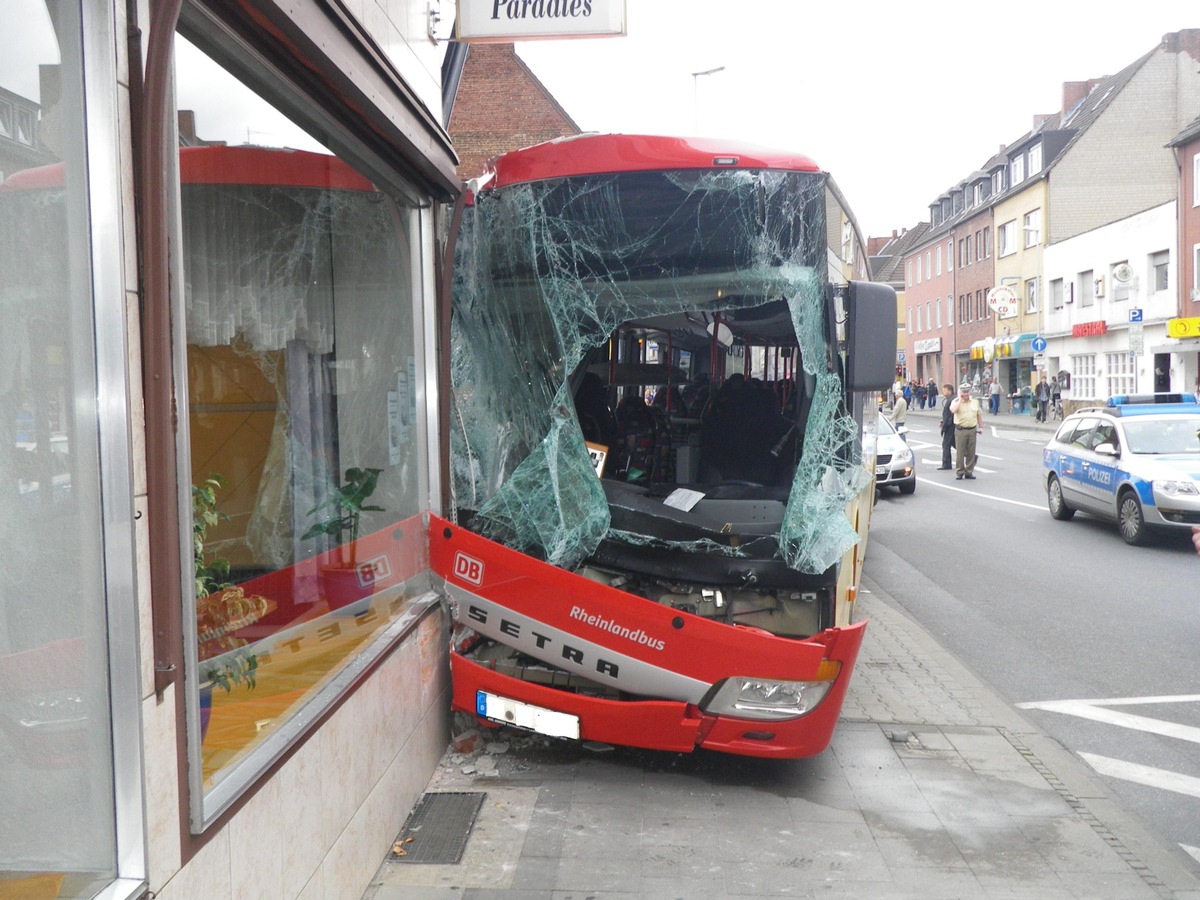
(908, 273)
(987, 243)
(937, 256)
(1031, 295)
(919, 270)
(304, 369)
(1056, 293)
(1122, 280)
(928, 264)
(1035, 159)
(1085, 289)
(1018, 170)
(1196, 179)
(1083, 377)
(7, 123)
(950, 255)
(909, 324)
(939, 312)
(962, 252)
(1196, 272)
(1033, 228)
(70, 807)
(1160, 269)
(1120, 371)
(1006, 238)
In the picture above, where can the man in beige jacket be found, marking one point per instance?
(968, 424)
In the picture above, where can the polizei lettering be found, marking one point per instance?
(568, 653)
(636, 635)
(514, 10)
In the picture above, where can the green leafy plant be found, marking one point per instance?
(221, 607)
(344, 508)
(211, 571)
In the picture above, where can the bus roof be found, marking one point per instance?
(587, 154)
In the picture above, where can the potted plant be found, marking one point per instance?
(221, 608)
(340, 517)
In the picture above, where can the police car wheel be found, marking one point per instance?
(1130, 519)
(1054, 499)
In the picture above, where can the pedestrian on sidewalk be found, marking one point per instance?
(947, 426)
(968, 424)
(1041, 394)
(994, 397)
(900, 414)
(931, 391)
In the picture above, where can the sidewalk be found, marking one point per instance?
(1003, 419)
(933, 788)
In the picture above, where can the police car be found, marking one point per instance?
(895, 465)
(1135, 461)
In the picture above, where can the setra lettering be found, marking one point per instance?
(523, 636)
(515, 10)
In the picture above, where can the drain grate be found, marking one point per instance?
(437, 829)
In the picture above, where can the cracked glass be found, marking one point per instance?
(647, 280)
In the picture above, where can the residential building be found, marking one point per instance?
(887, 256)
(1184, 341)
(500, 105)
(1104, 157)
(1110, 293)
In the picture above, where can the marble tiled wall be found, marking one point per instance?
(319, 829)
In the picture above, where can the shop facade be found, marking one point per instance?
(222, 652)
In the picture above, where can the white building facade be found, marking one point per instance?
(1109, 294)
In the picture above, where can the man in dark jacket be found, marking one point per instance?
(947, 426)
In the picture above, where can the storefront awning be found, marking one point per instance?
(976, 349)
(1015, 345)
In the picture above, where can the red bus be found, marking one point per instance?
(663, 398)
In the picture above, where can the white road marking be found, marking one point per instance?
(1098, 711)
(1193, 851)
(954, 487)
(1162, 779)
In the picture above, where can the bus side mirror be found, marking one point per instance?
(870, 336)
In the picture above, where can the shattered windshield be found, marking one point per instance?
(703, 264)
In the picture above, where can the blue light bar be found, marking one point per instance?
(1140, 399)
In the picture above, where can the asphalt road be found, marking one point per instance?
(1095, 640)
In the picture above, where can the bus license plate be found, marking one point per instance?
(526, 715)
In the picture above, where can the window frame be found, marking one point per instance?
(1006, 238)
(1032, 228)
(208, 809)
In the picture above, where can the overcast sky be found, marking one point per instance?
(898, 100)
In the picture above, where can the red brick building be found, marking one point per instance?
(500, 106)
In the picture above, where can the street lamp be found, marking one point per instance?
(696, 95)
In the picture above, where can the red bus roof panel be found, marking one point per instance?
(588, 154)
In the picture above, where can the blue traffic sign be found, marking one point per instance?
(1135, 314)
(899, 356)
(1038, 344)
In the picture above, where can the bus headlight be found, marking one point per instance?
(768, 698)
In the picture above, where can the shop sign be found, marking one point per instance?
(928, 345)
(1183, 328)
(523, 20)
(1089, 329)
(1003, 302)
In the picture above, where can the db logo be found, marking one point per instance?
(373, 571)
(468, 569)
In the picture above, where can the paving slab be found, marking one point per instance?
(933, 787)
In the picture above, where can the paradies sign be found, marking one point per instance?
(524, 20)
